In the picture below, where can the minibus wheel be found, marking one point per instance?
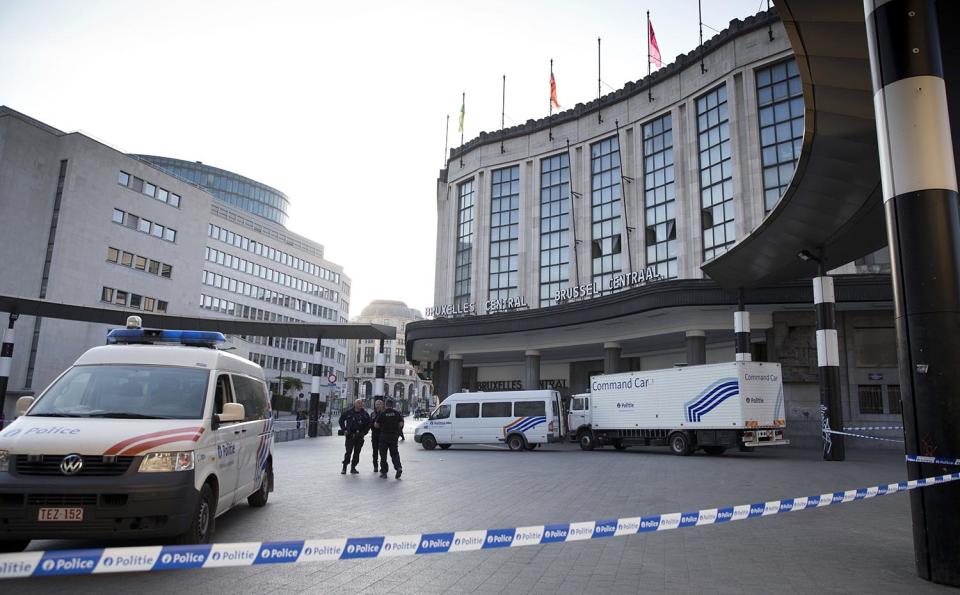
(428, 442)
(532, 446)
(444, 446)
(516, 442)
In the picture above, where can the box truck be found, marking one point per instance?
(711, 407)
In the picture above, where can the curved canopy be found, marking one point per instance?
(834, 203)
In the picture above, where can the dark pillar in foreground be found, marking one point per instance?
(6, 359)
(379, 382)
(314, 410)
(741, 331)
(696, 347)
(828, 364)
(918, 172)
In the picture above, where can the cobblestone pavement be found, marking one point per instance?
(857, 547)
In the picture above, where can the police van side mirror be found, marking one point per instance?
(231, 412)
(23, 403)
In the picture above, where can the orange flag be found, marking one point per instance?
(553, 92)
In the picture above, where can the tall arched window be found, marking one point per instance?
(398, 390)
(367, 389)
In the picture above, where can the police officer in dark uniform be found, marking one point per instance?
(375, 433)
(354, 424)
(390, 424)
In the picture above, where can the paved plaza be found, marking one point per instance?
(857, 547)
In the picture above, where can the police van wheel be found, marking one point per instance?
(7, 547)
(516, 442)
(201, 528)
(260, 497)
(586, 441)
(532, 446)
(428, 442)
(680, 444)
(444, 446)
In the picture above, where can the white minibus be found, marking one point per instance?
(521, 419)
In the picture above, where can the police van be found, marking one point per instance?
(521, 419)
(155, 434)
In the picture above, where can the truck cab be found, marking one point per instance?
(578, 415)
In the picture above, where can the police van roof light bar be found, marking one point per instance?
(151, 336)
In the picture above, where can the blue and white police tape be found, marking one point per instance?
(143, 559)
(826, 431)
(870, 428)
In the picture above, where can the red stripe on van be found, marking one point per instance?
(116, 448)
(143, 446)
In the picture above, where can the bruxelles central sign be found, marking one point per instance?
(588, 290)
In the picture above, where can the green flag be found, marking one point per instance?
(463, 110)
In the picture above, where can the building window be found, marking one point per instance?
(606, 203)
(368, 354)
(464, 257)
(113, 255)
(780, 111)
(554, 226)
(504, 232)
(161, 306)
(154, 267)
(137, 184)
(144, 226)
(140, 263)
(156, 230)
(135, 300)
(170, 235)
(870, 398)
(123, 179)
(162, 195)
(132, 221)
(149, 189)
(716, 173)
(120, 297)
(126, 259)
(660, 196)
(166, 270)
(106, 294)
(174, 200)
(118, 216)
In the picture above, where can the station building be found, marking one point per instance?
(571, 245)
(401, 380)
(83, 223)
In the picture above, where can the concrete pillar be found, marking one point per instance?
(696, 348)
(828, 364)
(531, 371)
(611, 358)
(918, 172)
(741, 330)
(454, 374)
(379, 384)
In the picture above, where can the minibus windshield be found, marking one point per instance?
(125, 392)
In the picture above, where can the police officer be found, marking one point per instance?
(354, 424)
(375, 432)
(390, 424)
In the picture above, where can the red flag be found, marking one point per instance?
(553, 92)
(654, 56)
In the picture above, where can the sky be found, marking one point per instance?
(340, 105)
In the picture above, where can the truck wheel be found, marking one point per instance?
(428, 442)
(619, 445)
(260, 497)
(201, 528)
(516, 442)
(444, 446)
(586, 441)
(18, 545)
(714, 450)
(680, 444)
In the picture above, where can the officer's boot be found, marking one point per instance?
(344, 470)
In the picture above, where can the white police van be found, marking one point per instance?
(521, 419)
(153, 435)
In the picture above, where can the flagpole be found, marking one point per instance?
(649, 88)
(550, 103)
(503, 111)
(463, 116)
(446, 143)
(599, 117)
(703, 69)
(573, 227)
(769, 27)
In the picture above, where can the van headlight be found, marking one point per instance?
(167, 461)
(4, 460)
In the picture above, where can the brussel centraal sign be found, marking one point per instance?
(577, 292)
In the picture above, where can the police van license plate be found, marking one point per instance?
(60, 514)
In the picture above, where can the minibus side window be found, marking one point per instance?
(529, 408)
(494, 410)
(468, 410)
(442, 412)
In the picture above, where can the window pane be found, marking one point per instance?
(468, 410)
(870, 398)
(496, 409)
(529, 408)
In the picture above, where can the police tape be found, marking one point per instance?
(826, 431)
(221, 555)
(871, 428)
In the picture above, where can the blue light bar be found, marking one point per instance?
(148, 336)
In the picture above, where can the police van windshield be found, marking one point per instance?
(126, 392)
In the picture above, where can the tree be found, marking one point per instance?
(291, 383)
